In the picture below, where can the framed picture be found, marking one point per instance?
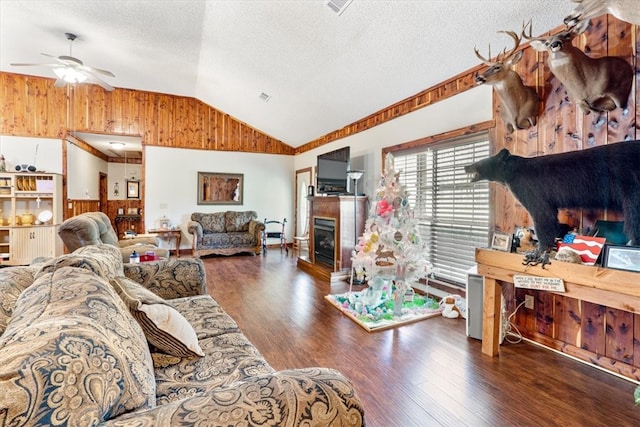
(133, 189)
(621, 257)
(132, 211)
(220, 188)
(501, 242)
(164, 224)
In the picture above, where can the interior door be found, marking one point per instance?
(303, 180)
(102, 190)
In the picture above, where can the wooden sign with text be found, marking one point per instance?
(539, 283)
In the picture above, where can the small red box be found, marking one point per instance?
(145, 258)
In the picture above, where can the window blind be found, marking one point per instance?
(452, 213)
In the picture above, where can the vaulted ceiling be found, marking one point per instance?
(321, 70)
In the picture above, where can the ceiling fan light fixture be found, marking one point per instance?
(70, 75)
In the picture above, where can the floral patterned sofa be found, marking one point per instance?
(225, 233)
(86, 340)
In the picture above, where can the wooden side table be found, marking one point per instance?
(171, 234)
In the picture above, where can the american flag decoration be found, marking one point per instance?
(587, 247)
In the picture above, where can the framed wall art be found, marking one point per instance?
(621, 257)
(133, 189)
(220, 188)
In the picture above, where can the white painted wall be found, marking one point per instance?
(119, 173)
(171, 185)
(19, 150)
(469, 107)
(83, 170)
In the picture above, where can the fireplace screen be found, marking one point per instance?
(324, 240)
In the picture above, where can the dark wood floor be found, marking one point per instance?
(424, 374)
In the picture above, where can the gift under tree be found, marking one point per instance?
(390, 252)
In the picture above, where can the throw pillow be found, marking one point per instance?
(169, 330)
(210, 222)
(239, 221)
(164, 326)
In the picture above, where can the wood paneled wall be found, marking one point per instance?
(561, 125)
(32, 106)
(600, 335)
(75, 207)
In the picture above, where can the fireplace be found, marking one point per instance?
(324, 235)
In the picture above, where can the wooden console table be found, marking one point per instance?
(614, 289)
(125, 218)
(171, 234)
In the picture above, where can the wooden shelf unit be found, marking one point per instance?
(595, 320)
(29, 192)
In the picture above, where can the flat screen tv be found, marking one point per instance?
(332, 171)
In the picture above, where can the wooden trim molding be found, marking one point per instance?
(425, 98)
(417, 143)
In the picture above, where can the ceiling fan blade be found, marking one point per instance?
(93, 79)
(69, 60)
(68, 67)
(21, 64)
(97, 70)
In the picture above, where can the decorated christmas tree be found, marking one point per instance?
(391, 245)
(390, 255)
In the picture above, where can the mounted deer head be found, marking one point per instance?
(625, 10)
(594, 84)
(519, 102)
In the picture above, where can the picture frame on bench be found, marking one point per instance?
(215, 188)
(621, 257)
(501, 242)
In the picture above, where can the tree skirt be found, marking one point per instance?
(378, 317)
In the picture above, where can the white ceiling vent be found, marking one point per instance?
(265, 97)
(338, 6)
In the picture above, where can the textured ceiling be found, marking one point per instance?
(322, 70)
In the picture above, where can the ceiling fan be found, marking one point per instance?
(72, 70)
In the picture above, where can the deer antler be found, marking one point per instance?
(502, 57)
(529, 36)
(516, 42)
(483, 59)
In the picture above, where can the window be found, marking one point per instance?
(452, 213)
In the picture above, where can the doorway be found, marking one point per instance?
(102, 191)
(303, 181)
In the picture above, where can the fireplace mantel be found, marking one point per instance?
(341, 210)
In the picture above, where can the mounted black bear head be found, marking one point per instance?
(493, 168)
